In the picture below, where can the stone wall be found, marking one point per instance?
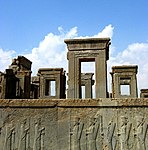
(90, 124)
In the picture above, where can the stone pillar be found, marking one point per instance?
(124, 75)
(2, 85)
(144, 93)
(49, 75)
(87, 81)
(86, 50)
(34, 87)
(24, 86)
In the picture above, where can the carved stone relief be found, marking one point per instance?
(39, 135)
(24, 135)
(91, 133)
(71, 128)
(140, 133)
(111, 137)
(122, 133)
(76, 132)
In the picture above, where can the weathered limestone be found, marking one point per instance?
(88, 82)
(35, 82)
(21, 67)
(85, 50)
(2, 85)
(124, 75)
(144, 93)
(15, 82)
(99, 124)
(8, 84)
(49, 75)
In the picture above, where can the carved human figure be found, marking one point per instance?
(100, 134)
(91, 134)
(124, 133)
(110, 135)
(38, 136)
(141, 130)
(9, 143)
(24, 136)
(76, 132)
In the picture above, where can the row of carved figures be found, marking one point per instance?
(94, 134)
(24, 137)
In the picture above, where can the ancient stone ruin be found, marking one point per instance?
(41, 113)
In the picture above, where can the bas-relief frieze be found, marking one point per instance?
(115, 134)
(88, 128)
(23, 136)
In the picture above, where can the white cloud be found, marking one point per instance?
(134, 54)
(106, 32)
(52, 51)
(5, 58)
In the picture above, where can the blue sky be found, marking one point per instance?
(24, 23)
(37, 29)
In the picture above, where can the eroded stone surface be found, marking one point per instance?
(124, 76)
(86, 50)
(74, 124)
(144, 93)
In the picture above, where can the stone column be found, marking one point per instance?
(24, 83)
(87, 81)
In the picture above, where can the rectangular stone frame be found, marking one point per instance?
(52, 74)
(128, 73)
(86, 50)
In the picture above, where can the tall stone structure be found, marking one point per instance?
(21, 67)
(8, 84)
(86, 50)
(35, 83)
(15, 81)
(52, 83)
(87, 81)
(121, 76)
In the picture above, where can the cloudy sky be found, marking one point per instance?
(37, 29)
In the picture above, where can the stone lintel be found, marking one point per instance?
(125, 68)
(87, 44)
(24, 73)
(49, 70)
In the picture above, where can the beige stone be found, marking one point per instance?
(88, 82)
(46, 77)
(144, 93)
(86, 50)
(124, 75)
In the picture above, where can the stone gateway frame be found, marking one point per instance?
(87, 50)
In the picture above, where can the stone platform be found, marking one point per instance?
(80, 124)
